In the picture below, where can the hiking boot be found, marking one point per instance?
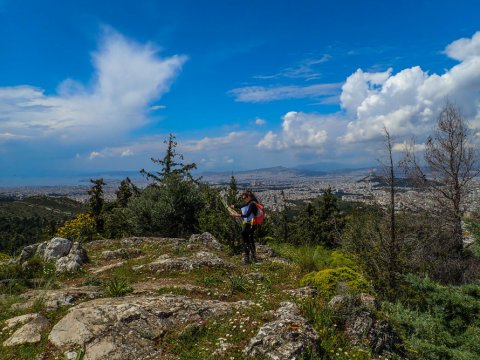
(246, 260)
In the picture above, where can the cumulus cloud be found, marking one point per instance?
(303, 131)
(406, 102)
(261, 94)
(128, 77)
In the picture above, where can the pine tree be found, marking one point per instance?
(232, 192)
(170, 166)
(125, 191)
(96, 202)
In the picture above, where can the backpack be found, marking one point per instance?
(258, 220)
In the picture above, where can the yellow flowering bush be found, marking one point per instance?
(80, 228)
(327, 281)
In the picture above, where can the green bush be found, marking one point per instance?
(329, 282)
(119, 222)
(314, 258)
(168, 209)
(438, 321)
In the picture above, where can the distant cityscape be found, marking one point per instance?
(358, 185)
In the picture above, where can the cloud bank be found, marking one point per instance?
(406, 102)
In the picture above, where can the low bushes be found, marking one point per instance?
(330, 282)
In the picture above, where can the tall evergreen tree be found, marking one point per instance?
(96, 201)
(125, 191)
(170, 164)
(232, 192)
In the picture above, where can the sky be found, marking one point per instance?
(95, 86)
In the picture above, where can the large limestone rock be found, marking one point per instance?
(28, 333)
(56, 248)
(129, 327)
(67, 255)
(201, 259)
(73, 261)
(285, 338)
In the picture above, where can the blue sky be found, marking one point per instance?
(92, 86)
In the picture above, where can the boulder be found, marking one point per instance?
(73, 260)
(56, 248)
(29, 333)
(28, 252)
(206, 239)
(130, 327)
(287, 337)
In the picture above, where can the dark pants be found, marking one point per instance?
(248, 240)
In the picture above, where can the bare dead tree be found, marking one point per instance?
(392, 246)
(452, 160)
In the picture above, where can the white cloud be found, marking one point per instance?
(260, 122)
(126, 152)
(259, 94)
(95, 154)
(464, 48)
(128, 77)
(208, 143)
(305, 69)
(406, 102)
(303, 131)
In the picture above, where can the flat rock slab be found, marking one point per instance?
(53, 299)
(199, 260)
(129, 327)
(29, 333)
(106, 267)
(285, 338)
(19, 320)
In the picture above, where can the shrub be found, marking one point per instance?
(438, 321)
(118, 223)
(81, 228)
(331, 281)
(168, 209)
(314, 258)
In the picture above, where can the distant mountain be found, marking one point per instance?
(271, 171)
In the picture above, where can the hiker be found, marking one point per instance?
(249, 211)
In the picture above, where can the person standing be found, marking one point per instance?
(249, 211)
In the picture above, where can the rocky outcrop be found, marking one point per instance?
(357, 317)
(30, 331)
(123, 253)
(285, 338)
(130, 327)
(201, 259)
(67, 255)
(206, 240)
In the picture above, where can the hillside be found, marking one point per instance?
(32, 219)
(145, 298)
